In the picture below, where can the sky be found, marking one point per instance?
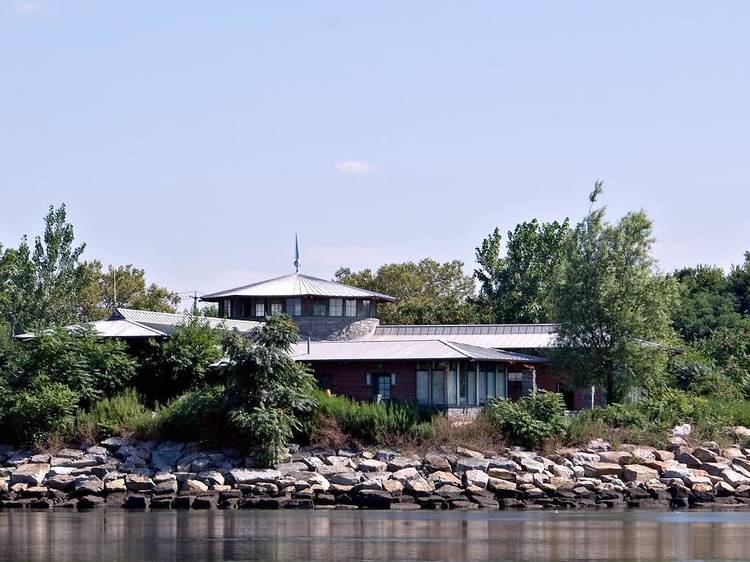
(194, 139)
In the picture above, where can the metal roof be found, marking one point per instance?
(165, 322)
(432, 349)
(298, 285)
(498, 336)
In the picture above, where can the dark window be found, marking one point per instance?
(294, 307)
(363, 309)
(382, 386)
(320, 307)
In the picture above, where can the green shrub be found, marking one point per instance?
(119, 415)
(198, 415)
(271, 428)
(370, 422)
(36, 413)
(532, 420)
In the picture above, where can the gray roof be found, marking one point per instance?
(402, 349)
(165, 323)
(498, 336)
(298, 285)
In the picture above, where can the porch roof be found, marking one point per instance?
(394, 350)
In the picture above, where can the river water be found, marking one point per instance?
(118, 535)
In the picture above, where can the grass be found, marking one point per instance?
(123, 414)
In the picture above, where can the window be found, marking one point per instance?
(276, 308)
(382, 386)
(363, 310)
(452, 385)
(351, 308)
(438, 384)
(227, 308)
(260, 309)
(423, 383)
(294, 307)
(319, 307)
(335, 307)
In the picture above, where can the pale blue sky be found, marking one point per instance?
(194, 138)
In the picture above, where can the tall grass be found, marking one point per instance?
(123, 414)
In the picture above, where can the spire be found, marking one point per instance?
(296, 253)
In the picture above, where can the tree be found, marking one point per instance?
(517, 287)
(44, 283)
(129, 283)
(428, 292)
(739, 283)
(706, 302)
(267, 390)
(611, 306)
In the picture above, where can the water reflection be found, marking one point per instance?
(285, 535)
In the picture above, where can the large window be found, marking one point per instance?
(423, 383)
(276, 308)
(335, 307)
(294, 307)
(382, 386)
(351, 308)
(363, 309)
(320, 307)
(438, 383)
(260, 309)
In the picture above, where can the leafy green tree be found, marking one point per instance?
(98, 294)
(516, 287)
(181, 361)
(43, 284)
(739, 283)
(611, 306)
(705, 304)
(428, 292)
(267, 391)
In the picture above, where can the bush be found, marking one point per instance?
(36, 413)
(197, 415)
(534, 419)
(120, 415)
(181, 361)
(370, 422)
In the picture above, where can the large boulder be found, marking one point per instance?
(372, 465)
(704, 455)
(32, 474)
(419, 487)
(405, 474)
(638, 473)
(477, 478)
(599, 469)
(139, 483)
(248, 476)
(441, 478)
(471, 463)
(398, 463)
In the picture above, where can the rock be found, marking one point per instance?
(90, 502)
(477, 478)
(504, 463)
(464, 452)
(372, 465)
(89, 485)
(435, 463)
(703, 455)
(734, 478)
(211, 477)
(62, 482)
(138, 483)
(113, 443)
(441, 478)
(206, 502)
(419, 487)
(31, 473)
(677, 471)
(502, 474)
(723, 489)
(532, 466)
(135, 501)
(599, 469)
(329, 470)
(115, 486)
(69, 453)
(683, 430)
(374, 499)
(367, 485)
(471, 463)
(393, 486)
(498, 485)
(346, 478)
(318, 482)
(165, 487)
(399, 463)
(405, 474)
(615, 457)
(663, 456)
(714, 468)
(638, 473)
(43, 458)
(598, 445)
(247, 476)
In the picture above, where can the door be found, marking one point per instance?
(381, 386)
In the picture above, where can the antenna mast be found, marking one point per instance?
(296, 254)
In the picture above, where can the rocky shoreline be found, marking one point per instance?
(170, 475)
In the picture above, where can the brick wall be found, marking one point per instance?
(350, 378)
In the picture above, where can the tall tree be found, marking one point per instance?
(45, 282)
(98, 298)
(611, 305)
(739, 283)
(428, 292)
(516, 287)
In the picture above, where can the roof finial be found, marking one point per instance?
(296, 254)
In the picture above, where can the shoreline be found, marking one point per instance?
(118, 473)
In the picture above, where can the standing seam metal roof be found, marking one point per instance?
(296, 284)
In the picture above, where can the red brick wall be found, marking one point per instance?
(350, 378)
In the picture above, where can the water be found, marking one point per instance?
(118, 535)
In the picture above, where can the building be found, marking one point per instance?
(350, 353)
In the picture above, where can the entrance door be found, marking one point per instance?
(381, 386)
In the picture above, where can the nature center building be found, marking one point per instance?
(352, 354)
